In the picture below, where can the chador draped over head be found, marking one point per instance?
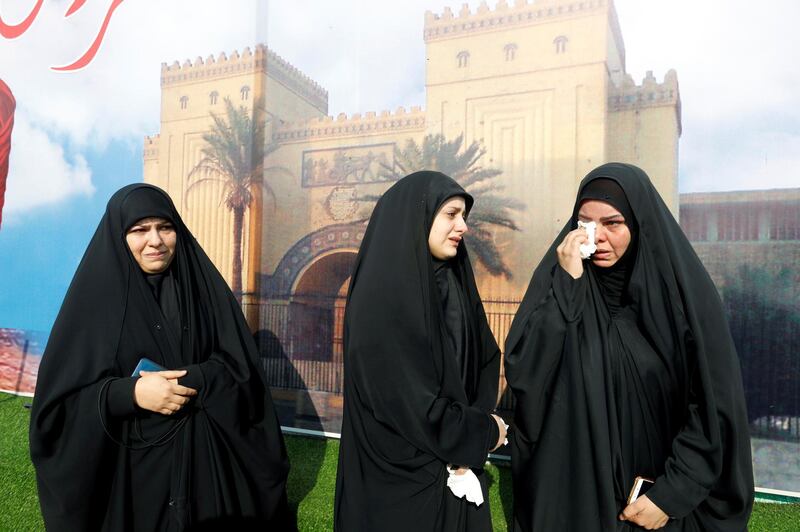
(103, 463)
(625, 375)
(421, 373)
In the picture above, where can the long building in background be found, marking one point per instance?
(744, 229)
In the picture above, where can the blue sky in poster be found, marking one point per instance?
(78, 136)
(36, 270)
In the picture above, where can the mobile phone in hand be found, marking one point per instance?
(640, 487)
(145, 364)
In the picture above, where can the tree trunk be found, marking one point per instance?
(238, 223)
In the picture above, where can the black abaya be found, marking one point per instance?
(421, 374)
(101, 462)
(618, 376)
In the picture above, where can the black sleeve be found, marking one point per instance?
(532, 362)
(683, 486)
(494, 434)
(570, 293)
(206, 377)
(224, 390)
(120, 400)
(692, 467)
(404, 393)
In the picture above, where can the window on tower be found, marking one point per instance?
(561, 44)
(245, 91)
(184, 102)
(213, 97)
(511, 51)
(463, 59)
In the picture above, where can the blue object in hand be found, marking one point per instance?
(145, 364)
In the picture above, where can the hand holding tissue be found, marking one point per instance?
(465, 485)
(588, 248)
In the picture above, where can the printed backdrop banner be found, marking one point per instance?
(275, 126)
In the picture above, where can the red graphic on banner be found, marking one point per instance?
(7, 106)
(12, 31)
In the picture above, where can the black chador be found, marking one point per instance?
(627, 371)
(421, 373)
(102, 463)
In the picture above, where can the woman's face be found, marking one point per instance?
(449, 225)
(152, 243)
(612, 235)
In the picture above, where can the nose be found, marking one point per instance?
(600, 234)
(154, 238)
(461, 225)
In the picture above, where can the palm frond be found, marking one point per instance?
(491, 211)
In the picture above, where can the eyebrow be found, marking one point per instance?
(148, 223)
(604, 218)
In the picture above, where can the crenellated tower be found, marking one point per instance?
(643, 128)
(543, 86)
(262, 82)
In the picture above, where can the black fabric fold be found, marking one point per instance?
(624, 372)
(412, 403)
(222, 458)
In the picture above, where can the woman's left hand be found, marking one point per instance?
(644, 513)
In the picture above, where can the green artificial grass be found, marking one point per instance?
(310, 489)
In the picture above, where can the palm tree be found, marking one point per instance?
(234, 157)
(490, 211)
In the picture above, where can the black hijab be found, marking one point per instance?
(412, 404)
(662, 368)
(150, 203)
(224, 459)
(613, 280)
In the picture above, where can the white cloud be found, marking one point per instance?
(40, 172)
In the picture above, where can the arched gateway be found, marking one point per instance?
(301, 311)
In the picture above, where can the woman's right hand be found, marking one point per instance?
(502, 426)
(569, 254)
(159, 391)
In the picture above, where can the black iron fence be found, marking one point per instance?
(300, 340)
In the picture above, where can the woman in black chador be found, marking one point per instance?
(622, 366)
(194, 447)
(421, 370)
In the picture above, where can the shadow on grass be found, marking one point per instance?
(295, 408)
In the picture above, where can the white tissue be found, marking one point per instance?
(590, 247)
(465, 485)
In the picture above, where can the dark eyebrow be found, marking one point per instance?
(604, 218)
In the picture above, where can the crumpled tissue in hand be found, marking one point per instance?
(465, 485)
(590, 247)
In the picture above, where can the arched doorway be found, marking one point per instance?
(316, 308)
(302, 309)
